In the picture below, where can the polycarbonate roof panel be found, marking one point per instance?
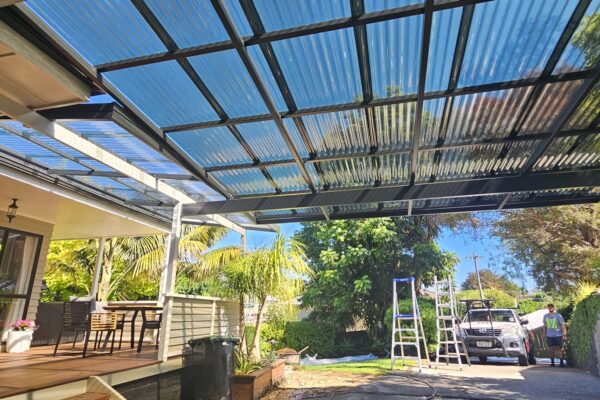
(394, 52)
(338, 133)
(587, 112)
(283, 14)
(380, 5)
(262, 66)
(555, 97)
(288, 177)
(189, 22)
(140, 187)
(512, 39)
(236, 13)
(364, 171)
(570, 152)
(229, 82)
(359, 207)
(26, 149)
(118, 141)
(444, 32)
(321, 69)
(163, 92)
(211, 147)
(580, 53)
(195, 189)
(243, 182)
(265, 139)
(474, 117)
(394, 126)
(113, 187)
(473, 161)
(101, 31)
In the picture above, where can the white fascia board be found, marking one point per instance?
(64, 135)
(71, 195)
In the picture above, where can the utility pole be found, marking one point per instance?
(475, 257)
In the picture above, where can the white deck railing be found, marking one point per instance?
(191, 317)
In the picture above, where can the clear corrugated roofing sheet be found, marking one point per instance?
(507, 91)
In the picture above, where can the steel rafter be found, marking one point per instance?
(268, 37)
(260, 85)
(586, 87)
(489, 87)
(440, 189)
(560, 47)
(28, 24)
(457, 61)
(267, 49)
(185, 64)
(421, 88)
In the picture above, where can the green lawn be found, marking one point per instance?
(375, 367)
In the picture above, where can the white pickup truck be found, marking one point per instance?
(497, 332)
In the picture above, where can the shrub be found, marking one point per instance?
(529, 306)
(320, 337)
(581, 331)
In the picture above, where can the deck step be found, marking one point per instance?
(89, 396)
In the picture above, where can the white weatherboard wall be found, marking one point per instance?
(194, 317)
(21, 223)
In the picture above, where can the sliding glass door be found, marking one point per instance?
(19, 252)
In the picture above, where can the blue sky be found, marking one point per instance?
(462, 244)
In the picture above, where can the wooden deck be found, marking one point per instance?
(38, 369)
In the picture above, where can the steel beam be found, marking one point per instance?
(457, 91)
(455, 188)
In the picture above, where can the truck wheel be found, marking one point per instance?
(483, 359)
(523, 361)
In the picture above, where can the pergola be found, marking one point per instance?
(265, 111)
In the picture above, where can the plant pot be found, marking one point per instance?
(18, 341)
(251, 386)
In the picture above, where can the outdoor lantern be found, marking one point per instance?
(11, 213)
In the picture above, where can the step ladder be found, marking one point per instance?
(407, 330)
(447, 324)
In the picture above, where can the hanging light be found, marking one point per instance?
(11, 213)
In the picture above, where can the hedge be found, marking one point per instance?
(581, 331)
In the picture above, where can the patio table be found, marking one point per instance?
(136, 308)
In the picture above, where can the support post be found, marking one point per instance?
(97, 268)
(243, 242)
(168, 277)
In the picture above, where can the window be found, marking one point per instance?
(18, 258)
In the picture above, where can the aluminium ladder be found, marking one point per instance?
(403, 335)
(447, 329)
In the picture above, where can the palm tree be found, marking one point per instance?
(145, 255)
(277, 271)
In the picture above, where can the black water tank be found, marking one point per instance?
(208, 371)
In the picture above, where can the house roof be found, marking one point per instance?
(285, 111)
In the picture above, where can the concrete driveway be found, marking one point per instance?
(502, 379)
(483, 382)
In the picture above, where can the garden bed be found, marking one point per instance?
(251, 386)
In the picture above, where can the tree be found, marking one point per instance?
(141, 258)
(490, 280)
(356, 260)
(559, 245)
(277, 271)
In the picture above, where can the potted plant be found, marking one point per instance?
(19, 336)
(253, 378)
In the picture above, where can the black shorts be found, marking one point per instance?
(555, 341)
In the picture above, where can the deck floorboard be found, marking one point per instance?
(38, 369)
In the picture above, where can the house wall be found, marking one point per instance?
(44, 229)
